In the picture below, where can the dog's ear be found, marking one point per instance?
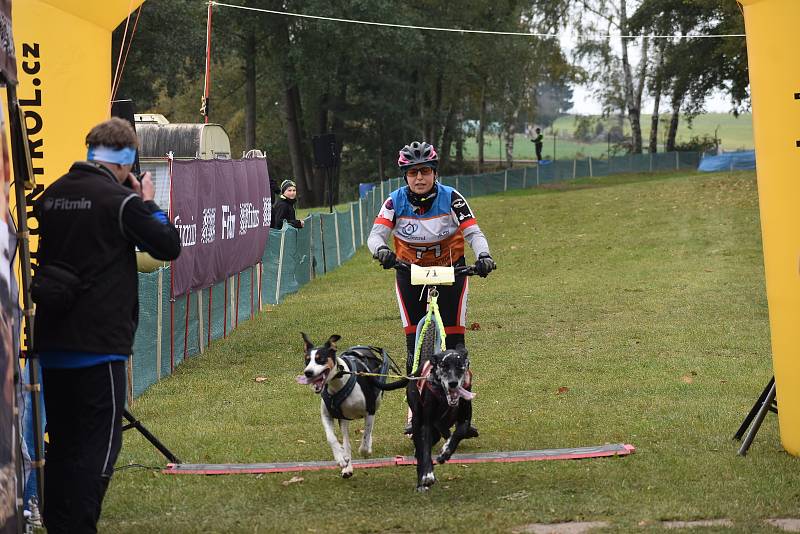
(332, 341)
(435, 358)
(307, 344)
(461, 349)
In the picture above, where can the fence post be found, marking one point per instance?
(457, 183)
(651, 162)
(505, 180)
(574, 168)
(200, 321)
(353, 227)
(280, 269)
(537, 175)
(524, 177)
(312, 274)
(591, 174)
(677, 161)
(336, 229)
(159, 313)
(260, 276)
(361, 220)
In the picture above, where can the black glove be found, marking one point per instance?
(484, 264)
(385, 256)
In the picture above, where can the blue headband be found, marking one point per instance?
(120, 156)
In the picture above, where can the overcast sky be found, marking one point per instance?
(585, 103)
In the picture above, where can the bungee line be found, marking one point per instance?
(461, 30)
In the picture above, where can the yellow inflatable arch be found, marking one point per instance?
(775, 87)
(64, 62)
(64, 67)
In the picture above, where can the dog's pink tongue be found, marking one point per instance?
(465, 394)
(303, 379)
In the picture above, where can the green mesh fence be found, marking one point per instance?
(170, 331)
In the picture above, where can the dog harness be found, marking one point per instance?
(354, 361)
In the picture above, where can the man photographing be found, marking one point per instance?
(86, 291)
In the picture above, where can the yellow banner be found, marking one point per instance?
(64, 68)
(775, 84)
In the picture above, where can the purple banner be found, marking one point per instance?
(222, 210)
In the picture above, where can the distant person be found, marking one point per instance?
(538, 142)
(284, 207)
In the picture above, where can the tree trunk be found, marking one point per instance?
(658, 85)
(436, 112)
(447, 136)
(481, 127)
(337, 128)
(381, 142)
(250, 91)
(459, 135)
(633, 104)
(677, 103)
(304, 186)
(511, 129)
(305, 147)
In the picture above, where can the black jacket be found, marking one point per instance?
(284, 210)
(90, 222)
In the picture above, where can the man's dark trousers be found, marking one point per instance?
(84, 425)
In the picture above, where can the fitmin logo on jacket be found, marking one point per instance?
(67, 204)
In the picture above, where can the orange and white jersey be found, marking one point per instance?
(435, 237)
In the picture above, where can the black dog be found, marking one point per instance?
(439, 401)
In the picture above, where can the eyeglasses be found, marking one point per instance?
(425, 171)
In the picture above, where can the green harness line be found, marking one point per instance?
(433, 312)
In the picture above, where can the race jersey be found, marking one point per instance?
(435, 237)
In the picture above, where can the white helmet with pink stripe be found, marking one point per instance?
(417, 153)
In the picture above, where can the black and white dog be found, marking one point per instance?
(439, 401)
(345, 395)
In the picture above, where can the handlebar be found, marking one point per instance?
(459, 270)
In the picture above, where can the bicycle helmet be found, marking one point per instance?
(417, 153)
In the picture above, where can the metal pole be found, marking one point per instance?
(207, 85)
(22, 175)
(762, 412)
(554, 145)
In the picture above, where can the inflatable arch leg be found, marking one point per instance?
(775, 85)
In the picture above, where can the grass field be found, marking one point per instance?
(735, 133)
(625, 309)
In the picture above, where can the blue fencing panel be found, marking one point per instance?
(145, 345)
(329, 245)
(345, 226)
(317, 248)
(304, 270)
(248, 300)
(599, 167)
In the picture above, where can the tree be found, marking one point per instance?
(691, 68)
(609, 17)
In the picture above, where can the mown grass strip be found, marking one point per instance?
(626, 309)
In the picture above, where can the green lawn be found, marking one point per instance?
(735, 133)
(643, 296)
